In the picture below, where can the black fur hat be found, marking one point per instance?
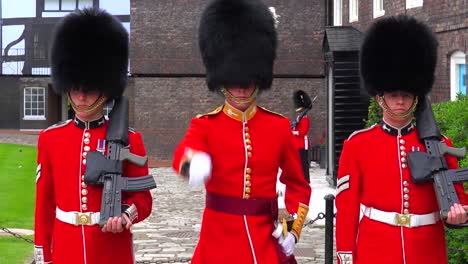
(237, 40)
(398, 53)
(301, 100)
(90, 51)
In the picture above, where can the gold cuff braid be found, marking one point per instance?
(299, 222)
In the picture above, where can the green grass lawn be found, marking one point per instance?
(17, 196)
(14, 251)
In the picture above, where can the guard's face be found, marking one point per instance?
(87, 110)
(399, 101)
(84, 99)
(242, 94)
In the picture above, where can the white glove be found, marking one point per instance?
(200, 168)
(287, 244)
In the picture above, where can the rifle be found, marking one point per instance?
(108, 170)
(301, 115)
(431, 165)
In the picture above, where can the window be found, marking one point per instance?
(378, 8)
(457, 74)
(34, 103)
(66, 5)
(337, 12)
(353, 10)
(413, 3)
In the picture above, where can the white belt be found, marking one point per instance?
(406, 220)
(77, 218)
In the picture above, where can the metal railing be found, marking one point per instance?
(20, 61)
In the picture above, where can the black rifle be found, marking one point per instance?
(108, 170)
(431, 165)
(302, 114)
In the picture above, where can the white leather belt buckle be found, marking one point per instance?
(77, 218)
(406, 220)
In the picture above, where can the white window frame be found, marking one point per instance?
(337, 12)
(456, 59)
(378, 6)
(353, 10)
(40, 92)
(414, 3)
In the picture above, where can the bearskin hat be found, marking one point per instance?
(301, 100)
(237, 40)
(398, 53)
(90, 51)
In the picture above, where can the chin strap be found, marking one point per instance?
(401, 116)
(231, 97)
(92, 108)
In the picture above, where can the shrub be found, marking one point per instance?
(374, 114)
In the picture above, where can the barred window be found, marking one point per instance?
(66, 5)
(34, 103)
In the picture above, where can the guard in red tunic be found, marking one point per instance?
(238, 149)
(400, 221)
(89, 59)
(300, 129)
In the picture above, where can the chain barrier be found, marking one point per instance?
(16, 235)
(320, 216)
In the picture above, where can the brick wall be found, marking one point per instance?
(164, 36)
(165, 106)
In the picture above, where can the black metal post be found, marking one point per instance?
(329, 217)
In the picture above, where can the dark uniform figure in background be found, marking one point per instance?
(89, 58)
(401, 222)
(300, 129)
(237, 149)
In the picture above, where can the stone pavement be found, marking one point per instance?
(19, 137)
(171, 232)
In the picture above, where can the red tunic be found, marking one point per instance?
(61, 152)
(300, 137)
(373, 171)
(244, 172)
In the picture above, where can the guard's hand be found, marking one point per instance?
(296, 133)
(114, 224)
(287, 244)
(457, 214)
(200, 168)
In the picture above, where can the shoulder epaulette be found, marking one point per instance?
(132, 130)
(57, 125)
(361, 131)
(214, 112)
(271, 112)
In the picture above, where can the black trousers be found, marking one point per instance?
(305, 163)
